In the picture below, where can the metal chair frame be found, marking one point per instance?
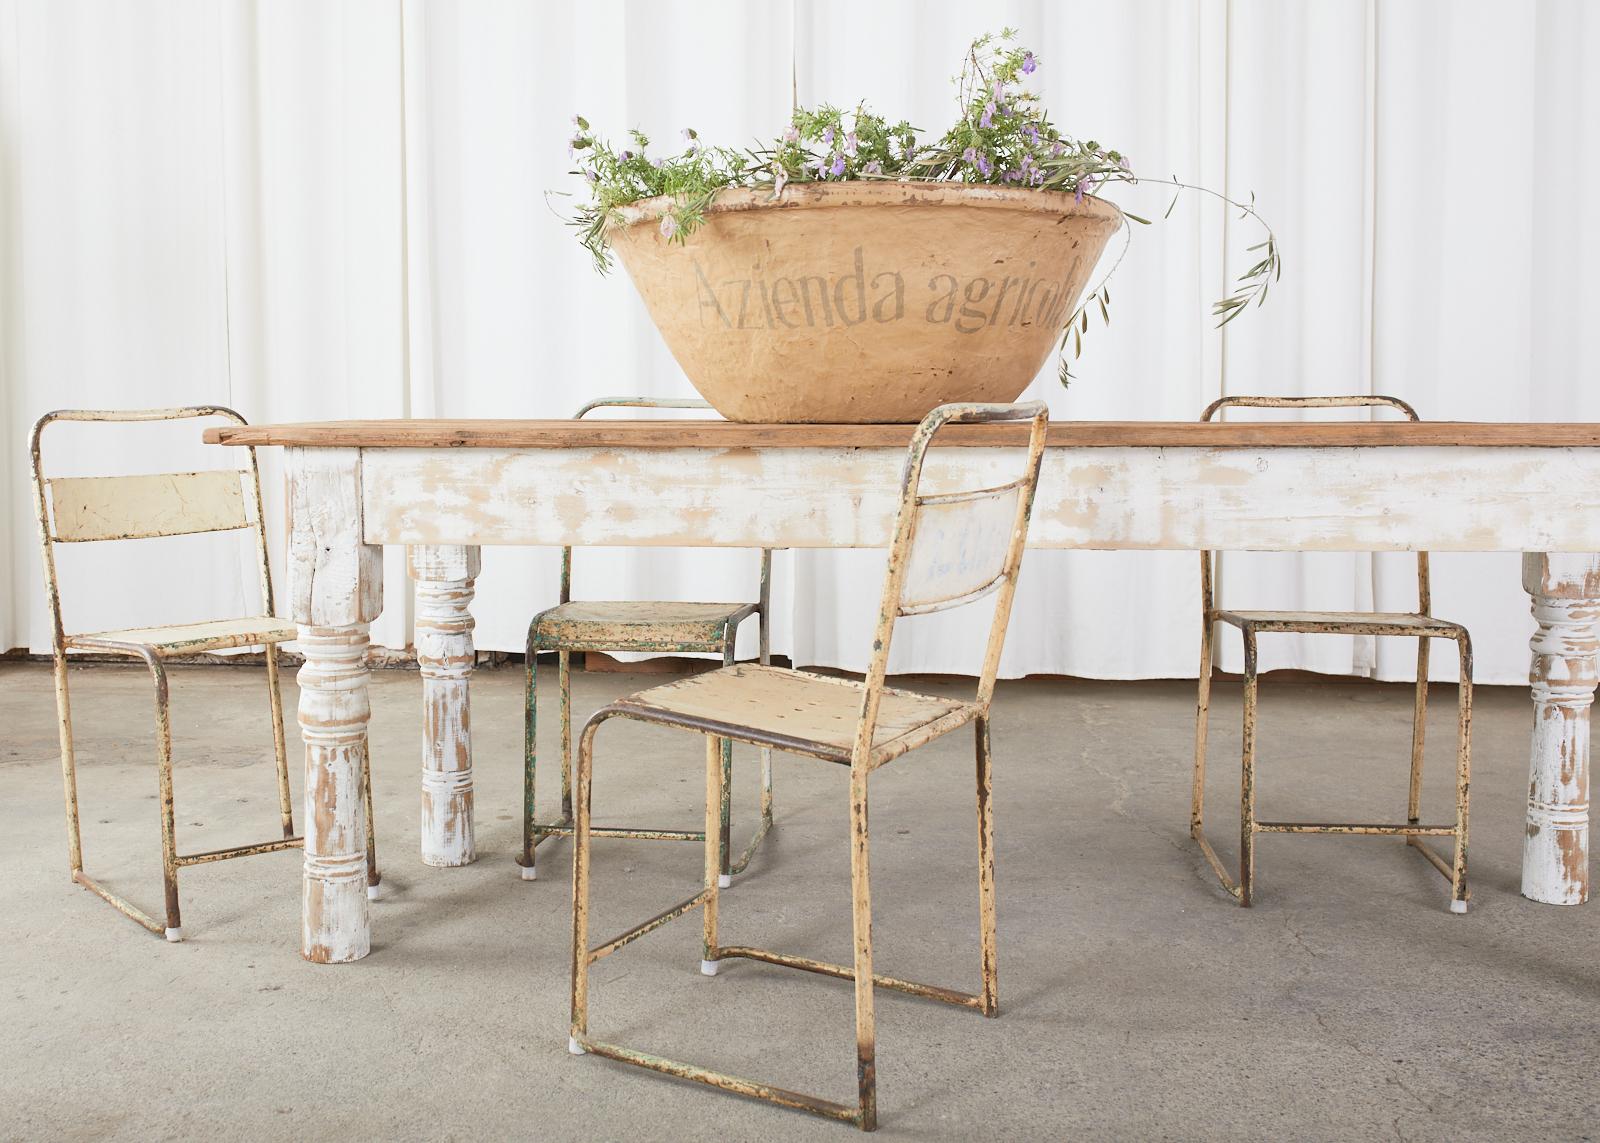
(910, 587)
(152, 655)
(603, 638)
(1420, 625)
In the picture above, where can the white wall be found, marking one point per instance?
(314, 211)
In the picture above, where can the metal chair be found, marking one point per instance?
(1419, 625)
(950, 547)
(637, 626)
(85, 509)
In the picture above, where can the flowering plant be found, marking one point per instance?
(1001, 137)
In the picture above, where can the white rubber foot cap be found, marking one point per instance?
(574, 1047)
(1458, 906)
(175, 935)
(709, 967)
(374, 892)
(529, 873)
(724, 881)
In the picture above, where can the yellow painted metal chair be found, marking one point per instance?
(950, 547)
(86, 509)
(1420, 625)
(616, 625)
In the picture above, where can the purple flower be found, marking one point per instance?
(970, 155)
(827, 137)
(1032, 133)
(837, 168)
(984, 166)
(792, 135)
(592, 175)
(627, 155)
(988, 115)
(1085, 186)
(850, 144)
(873, 168)
(669, 226)
(1028, 63)
(1057, 150)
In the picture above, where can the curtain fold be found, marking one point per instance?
(313, 212)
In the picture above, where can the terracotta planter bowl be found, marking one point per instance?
(865, 302)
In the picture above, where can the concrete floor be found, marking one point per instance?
(1137, 1001)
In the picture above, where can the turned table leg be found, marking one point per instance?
(444, 577)
(335, 591)
(333, 723)
(1566, 599)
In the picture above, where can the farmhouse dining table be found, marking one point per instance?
(445, 488)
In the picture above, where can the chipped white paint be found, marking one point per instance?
(346, 502)
(334, 711)
(1566, 601)
(1400, 498)
(141, 507)
(335, 591)
(192, 638)
(958, 548)
(444, 588)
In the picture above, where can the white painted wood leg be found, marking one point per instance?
(334, 710)
(335, 591)
(1566, 600)
(444, 578)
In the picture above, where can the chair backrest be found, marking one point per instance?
(764, 597)
(1358, 401)
(87, 509)
(954, 547)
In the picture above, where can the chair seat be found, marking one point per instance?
(620, 625)
(189, 638)
(796, 711)
(1343, 622)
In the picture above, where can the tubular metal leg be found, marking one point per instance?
(764, 628)
(530, 756)
(989, 1002)
(1459, 892)
(1247, 775)
(717, 754)
(580, 893)
(1197, 797)
(765, 822)
(565, 683)
(1419, 732)
(861, 900)
(69, 764)
(169, 841)
(280, 750)
(725, 821)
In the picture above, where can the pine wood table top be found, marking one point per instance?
(1070, 434)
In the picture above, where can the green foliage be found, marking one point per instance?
(1002, 136)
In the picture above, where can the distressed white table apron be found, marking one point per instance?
(347, 500)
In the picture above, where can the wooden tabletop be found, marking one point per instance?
(728, 434)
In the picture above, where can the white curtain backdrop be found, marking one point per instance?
(315, 211)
